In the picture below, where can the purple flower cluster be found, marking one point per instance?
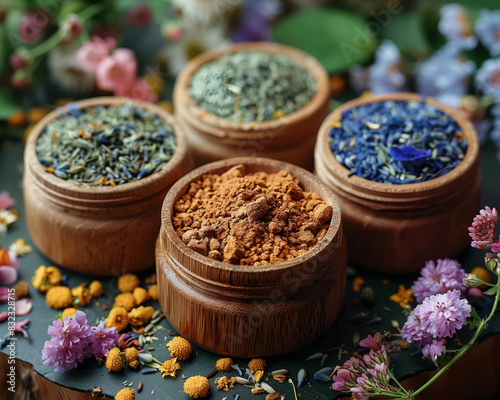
(368, 374)
(438, 317)
(438, 278)
(74, 340)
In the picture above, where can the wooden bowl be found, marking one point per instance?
(101, 231)
(290, 138)
(397, 228)
(247, 311)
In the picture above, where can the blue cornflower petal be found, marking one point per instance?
(408, 153)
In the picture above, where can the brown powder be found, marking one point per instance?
(254, 219)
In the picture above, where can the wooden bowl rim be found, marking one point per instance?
(125, 189)
(242, 130)
(221, 166)
(342, 172)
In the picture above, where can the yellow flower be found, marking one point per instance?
(125, 300)
(224, 364)
(256, 364)
(131, 355)
(125, 394)
(140, 295)
(69, 312)
(96, 288)
(179, 348)
(128, 282)
(114, 360)
(197, 386)
(153, 292)
(403, 296)
(117, 317)
(46, 277)
(139, 317)
(169, 368)
(82, 295)
(59, 297)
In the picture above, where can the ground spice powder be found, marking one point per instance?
(250, 219)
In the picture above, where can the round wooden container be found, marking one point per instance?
(101, 231)
(247, 311)
(397, 228)
(290, 138)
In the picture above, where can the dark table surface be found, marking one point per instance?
(90, 374)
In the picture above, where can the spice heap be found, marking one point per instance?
(105, 145)
(397, 142)
(250, 219)
(252, 86)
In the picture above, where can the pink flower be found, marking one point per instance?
(172, 31)
(94, 51)
(32, 26)
(72, 28)
(140, 14)
(117, 72)
(70, 341)
(434, 349)
(6, 201)
(438, 278)
(412, 329)
(495, 247)
(340, 379)
(104, 340)
(441, 315)
(9, 266)
(139, 89)
(483, 228)
(373, 343)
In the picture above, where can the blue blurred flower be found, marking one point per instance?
(488, 29)
(385, 74)
(456, 27)
(444, 75)
(488, 78)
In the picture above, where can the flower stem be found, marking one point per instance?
(464, 349)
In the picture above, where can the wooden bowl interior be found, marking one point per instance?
(389, 192)
(225, 128)
(222, 272)
(85, 195)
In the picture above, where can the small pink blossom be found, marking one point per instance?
(373, 343)
(434, 349)
(72, 28)
(140, 14)
(32, 26)
(483, 228)
(94, 51)
(172, 31)
(9, 265)
(6, 201)
(117, 72)
(139, 89)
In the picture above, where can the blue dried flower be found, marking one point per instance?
(408, 153)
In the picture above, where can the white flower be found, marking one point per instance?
(456, 27)
(195, 40)
(488, 78)
(66, 70)
(488, 29)
(204, 11)
(385, 75)
(444, 75)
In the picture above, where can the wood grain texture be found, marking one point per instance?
(397, 228)
(290, 138)
(101, 231)
(246, 311)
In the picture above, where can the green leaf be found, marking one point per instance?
(8, 105)
(406, 31)
(474, 320)
(491, 291)
(337, 38)
(429, 20)
(72, 7)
